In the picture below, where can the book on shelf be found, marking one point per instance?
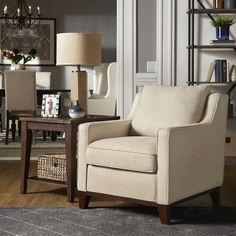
(221, 70)
(224, 70)
(210, 71)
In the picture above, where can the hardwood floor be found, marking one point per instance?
(45, 195)
(38, 194)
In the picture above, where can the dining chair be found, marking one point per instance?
(1, 102)
(43, 80)
(21, 97)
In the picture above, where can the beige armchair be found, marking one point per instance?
(99, 104)
(169, 149)
(100, 80)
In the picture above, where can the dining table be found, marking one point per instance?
(40, 92)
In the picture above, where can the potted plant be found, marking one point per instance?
(222, 25)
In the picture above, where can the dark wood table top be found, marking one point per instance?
(41, 91)
(68, 120)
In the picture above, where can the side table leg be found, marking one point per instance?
(26, 141)
(70, 148)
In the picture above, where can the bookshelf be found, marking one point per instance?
(192, 46)
(196, 8)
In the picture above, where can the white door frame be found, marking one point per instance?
(128, 79)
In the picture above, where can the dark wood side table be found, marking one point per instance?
(67, 125)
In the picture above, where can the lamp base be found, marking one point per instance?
(79, 88)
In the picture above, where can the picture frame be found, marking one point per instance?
(41, 37)
(50, 105)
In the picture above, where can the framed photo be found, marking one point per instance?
(40, 37)
(50, 105)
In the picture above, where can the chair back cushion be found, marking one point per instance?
(43, 80)
(169, 106)
(20, 90)
(100, 79)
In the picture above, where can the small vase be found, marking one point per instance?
(17, 67)
(222, 33)
(76, 111)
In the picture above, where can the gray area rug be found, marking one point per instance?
(116, 221)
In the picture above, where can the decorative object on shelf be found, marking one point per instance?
(76, 111)
(218, 4)
(50, 105)
(232, 73)
(210, 72)
(230, 4)
(222, 25)
(76, 49)
(16, 56)
(21, 16)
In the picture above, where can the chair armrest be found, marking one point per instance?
(93, 131)
(190, 161)
(90, 132)
(191, 158)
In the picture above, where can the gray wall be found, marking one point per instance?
(98, 16)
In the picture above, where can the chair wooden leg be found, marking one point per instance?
(83, 200)
(7, 130)
(44, 135)
(1, 122)
(164, 213)
(215, 196)
(53, 136)
(13, 130)
(19, 127)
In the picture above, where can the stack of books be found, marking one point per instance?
(220, 71)
(220, 68)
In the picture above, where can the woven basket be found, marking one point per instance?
(52, 167)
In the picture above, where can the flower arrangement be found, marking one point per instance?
(16, 56)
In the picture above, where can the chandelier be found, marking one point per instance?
(21, 16)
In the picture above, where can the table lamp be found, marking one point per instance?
(79, 49)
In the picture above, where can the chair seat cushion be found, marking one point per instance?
(136, 153)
